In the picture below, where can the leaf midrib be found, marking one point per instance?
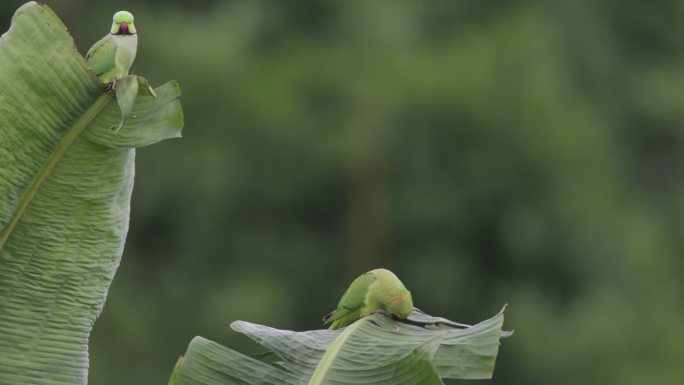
(326, 361)
(69, 137)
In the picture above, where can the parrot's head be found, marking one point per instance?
(401, 306)
(123, 24)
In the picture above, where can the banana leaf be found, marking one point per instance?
(65, 187)
(422, 350)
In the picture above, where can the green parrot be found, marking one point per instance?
(378, 290)
(112, 56)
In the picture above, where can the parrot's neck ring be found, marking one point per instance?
(396, 299)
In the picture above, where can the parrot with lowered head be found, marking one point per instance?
(112, 56)
(378, 290)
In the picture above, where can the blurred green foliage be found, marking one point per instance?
(488, 152)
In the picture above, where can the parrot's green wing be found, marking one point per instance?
(352, 301)
(101, 58)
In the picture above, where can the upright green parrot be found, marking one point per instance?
(112, 56)
(376, 290)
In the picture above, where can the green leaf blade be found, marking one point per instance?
(152, 119)
(300, 351)
(477, 348)
(376, 350)
(36, 109)
(208, 363)
(366, 352)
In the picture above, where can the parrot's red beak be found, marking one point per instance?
(123, 27)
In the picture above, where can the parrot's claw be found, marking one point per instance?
(111, 86)
(374, 312)
(384, 312)
(154, 94)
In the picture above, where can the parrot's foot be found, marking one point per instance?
(386, 314)
(374, 312)
(111, 86)
(117, 128)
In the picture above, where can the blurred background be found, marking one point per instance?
(488, 152)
